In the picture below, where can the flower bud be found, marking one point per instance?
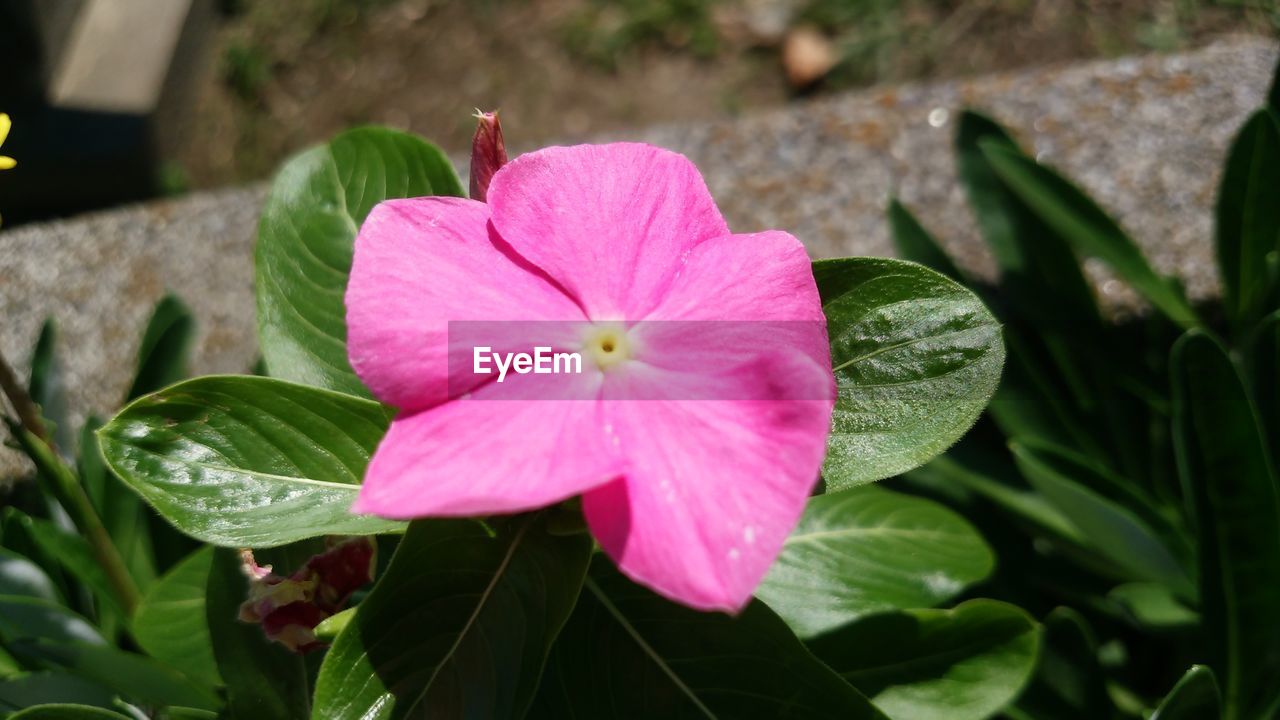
(488, 153)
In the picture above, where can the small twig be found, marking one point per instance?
(23, 405)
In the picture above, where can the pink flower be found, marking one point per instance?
(697, 427)
(289, 608)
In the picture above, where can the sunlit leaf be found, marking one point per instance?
(916, 358)
(868, 550)
(306, 236)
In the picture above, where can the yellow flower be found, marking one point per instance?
(5, 124)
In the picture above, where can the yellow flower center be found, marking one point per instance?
(607, 345)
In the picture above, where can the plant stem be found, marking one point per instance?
(28, 413)
(31, 433)
(68, 490)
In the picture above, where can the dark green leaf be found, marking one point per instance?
(247, 461)
(1195, 697)
(63, 711)
(1264, 358)
(914, 243)
(868, 550)
(960, 664)
(1069, 683)
(74, 555)
(121, 510)
(1153, 606)
(20, 576)
(1273, 95)
(39, 688)
(627, 653)
(305, 239)
(960, 470)
(1127, 537)
(1231, 486)
(162, 356)
(459, 626)
(1084, 226)
(916, 356)
(1062, 381)
(136, 677)
(1248, 219)
(170, 623)
(1038, 270)
(23, 618)
(46, 386)
(263, 680)
(17, 538)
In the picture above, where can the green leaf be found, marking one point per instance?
(170, 622)
(916, 356)
(17, 538)
(121, 510)
(1228, 478)
(244, 461)
(39, 688)
(166, 343)
(9, 665)
(868, 550)
(1128, 538)
(136, 677)
(1038, 270)
(46, 386)
(329, 628)
(959, 664)
(458, 627)
(1273, 94)
(914, 243)
(185, 713)
(1248, 219)
(970, 471)
(74, 555)
(1062, 380)
(1264, 358)
(627, 653)
(64, 711)
(20, 576)
(1069, 683)
(305, 240)
(263, 680)
(23, 618)
(1153, 606)
(1084, 226)
(1195, 697)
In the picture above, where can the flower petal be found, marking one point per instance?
(736, 297)
(713, 487)
(419, 264)
(611, 223)
(483, 456)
